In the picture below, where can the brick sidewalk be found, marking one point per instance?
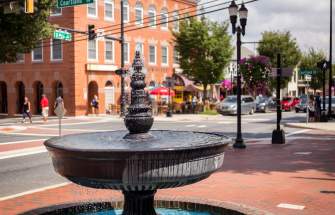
(300, 172)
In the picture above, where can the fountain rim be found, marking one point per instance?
(225, 142)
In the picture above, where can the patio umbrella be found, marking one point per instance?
(162, 91)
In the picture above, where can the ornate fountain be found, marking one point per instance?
(137, 162)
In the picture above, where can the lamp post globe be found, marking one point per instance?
(243, 13)
(233, 10)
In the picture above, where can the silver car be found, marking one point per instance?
(229, 105)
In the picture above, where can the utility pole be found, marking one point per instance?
(123, 105)
(330, 61)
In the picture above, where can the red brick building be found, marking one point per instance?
(81, 69)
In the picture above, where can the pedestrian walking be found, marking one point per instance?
(95, 105)
(311, 109)
(45, 107)
(26, 110)
(59, 102)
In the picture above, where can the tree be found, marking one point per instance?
(255, 72)
(309, 61)
(21, 32)
(204, 48)
(274, 42)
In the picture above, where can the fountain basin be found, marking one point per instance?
(166, 159)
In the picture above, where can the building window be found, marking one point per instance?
(164, 19)
(164, 55)
(56, 49)
(175, 56)
(55, 11)
(37, 54)
(139, 47)
(152, 16)
(125, 11)
(138, 14)
(92, 9)
(126, 52)
(109, 9)
(92, 50)
(175, 23)
(152, 54)
(19, 58)
(109, 51)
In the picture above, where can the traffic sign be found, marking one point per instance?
(307, 72)
(70, 3)
(285, 72)
(308, 77)
(62, 35)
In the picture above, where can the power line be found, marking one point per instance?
(157, 16)
(143, 27)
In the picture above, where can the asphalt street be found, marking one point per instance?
(24, 173)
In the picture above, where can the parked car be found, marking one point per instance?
(289, 103)
(302, 105)
(333, 104)
(265, 104)
(229, 105)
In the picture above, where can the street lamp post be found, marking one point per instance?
(169, 83)
(240, 29)
(323, 65)
(122, 72)
(330, 60)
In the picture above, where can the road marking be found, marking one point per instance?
(202, 126)
(290, 206)
(225, 122)
(33, 134)
(303, 153)
(81, 123)
(21, 141)
(298, 132)
(192, 125)
(22, 152)
(34, 191)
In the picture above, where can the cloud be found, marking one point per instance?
(307, 20)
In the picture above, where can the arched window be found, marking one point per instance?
(164, 19)
(152, 16)
(125, 11)
(175, 24)
(138, 13)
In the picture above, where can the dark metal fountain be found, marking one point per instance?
(138, 162)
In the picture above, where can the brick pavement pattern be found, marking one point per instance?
(261, 176)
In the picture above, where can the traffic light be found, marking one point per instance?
(91, 32)
(29, 6)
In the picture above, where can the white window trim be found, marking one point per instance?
(153, 63)
(96, 10)
(128, 50)
(113, 52)
(51, 52)
(113, 6)
(56, 14)
(96, 51)
(38, 60)
(167, 21)
(155, 18)
(167, 56)
(128, 11)
(142, 14)
(175, 16)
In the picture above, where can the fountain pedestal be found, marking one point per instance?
(139, 202)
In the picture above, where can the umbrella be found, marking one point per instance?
(226, 84)
(162, 91)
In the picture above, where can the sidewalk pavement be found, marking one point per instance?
(327, 126)
(297, 178)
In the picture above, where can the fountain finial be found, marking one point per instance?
(139, 117)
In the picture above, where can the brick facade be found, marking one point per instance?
(80, 77)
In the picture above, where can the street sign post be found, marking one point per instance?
(70, 3)
(62, 35)
(60, 112)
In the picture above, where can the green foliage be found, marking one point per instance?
(204, 48)
(255, 72)
(274, 42)
(20, 32)
(309, 61)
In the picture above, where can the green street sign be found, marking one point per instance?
(62, 35)
(307, 72)
(70, 3)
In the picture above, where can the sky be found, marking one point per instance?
(307, 20)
